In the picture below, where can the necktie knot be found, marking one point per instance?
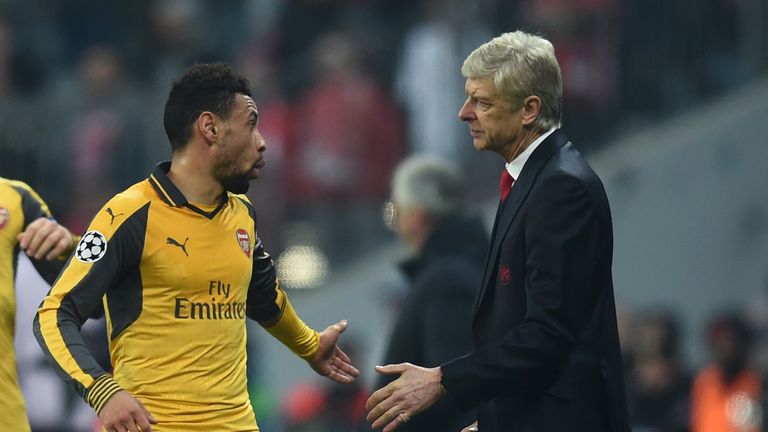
(505, 184)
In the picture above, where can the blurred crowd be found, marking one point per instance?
(345, 90)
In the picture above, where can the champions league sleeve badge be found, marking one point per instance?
(92, 247)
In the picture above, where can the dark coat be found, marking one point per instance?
(434, 324)
(547, 350)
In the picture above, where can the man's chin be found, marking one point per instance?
(480, 144)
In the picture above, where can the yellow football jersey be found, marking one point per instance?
(177, 282)
(19, 205)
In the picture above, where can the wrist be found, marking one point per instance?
(102, 389)
(439, 375)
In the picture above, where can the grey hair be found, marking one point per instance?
(521, 65)
(430, 183)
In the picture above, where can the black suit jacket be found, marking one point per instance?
(547, 351)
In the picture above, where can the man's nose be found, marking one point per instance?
(466, 113)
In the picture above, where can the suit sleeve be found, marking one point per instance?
(112, 252)
(33, 207)
(563, 232)
(446, 313)
(268, 304)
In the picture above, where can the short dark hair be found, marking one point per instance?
(203, 87)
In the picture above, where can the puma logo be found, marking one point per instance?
(109, 212)
(173, 242)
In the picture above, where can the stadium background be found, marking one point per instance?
(667, 98)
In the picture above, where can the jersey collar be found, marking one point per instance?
(172, 196)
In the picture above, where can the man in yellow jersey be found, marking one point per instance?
(25, 224)
(178, 264)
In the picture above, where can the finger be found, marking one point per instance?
(392, 369)
(391, 418)
(344, 373)
(51, 243)
(345, 365)
(340, 377)
(143, 423)
(343, 355)
(376, 398)
(60, 248)
(39, 233)
(385, 402)
(25, 236)
(23, 239)
(340, 326)
(148, 415)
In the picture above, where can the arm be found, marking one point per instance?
(268, 304)
(565, 239)
(75, 295)
(46, 243)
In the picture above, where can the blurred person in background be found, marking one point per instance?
(104, 140)
(277, 127)
(727, 394)
(547, 355)
(426, 84)
(434, 323)
(659, 384)
(347, 143)
(26, 225)
(178, 266)
(585, 34)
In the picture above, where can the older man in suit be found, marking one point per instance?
(546, 354)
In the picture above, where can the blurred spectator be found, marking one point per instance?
(448, 249)
(104, 140)
(348, 140)
(276, 124)
(659, 399)
(429, 83)
(584, 32)
(727, 394)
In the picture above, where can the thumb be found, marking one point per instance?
(392, 369)
(340, 326)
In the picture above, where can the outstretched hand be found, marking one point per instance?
(416, 389)
(330, 360)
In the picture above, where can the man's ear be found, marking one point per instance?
(207, 126)
(531, 109)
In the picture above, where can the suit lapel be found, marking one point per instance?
(510, 207)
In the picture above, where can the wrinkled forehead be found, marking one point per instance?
(480, 87)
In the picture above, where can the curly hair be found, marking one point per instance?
(203, 87)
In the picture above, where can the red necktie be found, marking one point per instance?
(505, 184)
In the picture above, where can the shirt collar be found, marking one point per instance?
(172, 196)
(164, 186)
(515, 167)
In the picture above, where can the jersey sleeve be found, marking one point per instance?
(33, 207)
(106, 253)
(268, 304)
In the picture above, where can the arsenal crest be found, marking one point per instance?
(244, 240)
(3, 217)
(505, 276)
